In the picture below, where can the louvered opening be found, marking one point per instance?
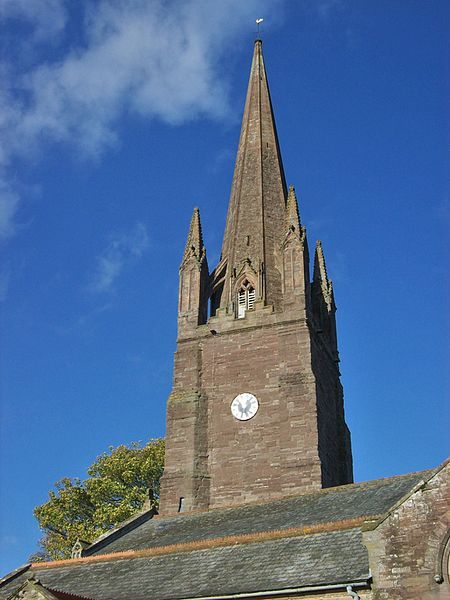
(241, 304)
(245, 298)
(251, 298)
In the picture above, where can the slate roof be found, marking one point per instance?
(333, 504)
(303, 541)
(276, 564)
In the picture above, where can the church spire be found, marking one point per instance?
(256, 215)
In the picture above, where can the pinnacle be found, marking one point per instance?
(194, 243)
(320, 268)
(321, 276)
(292, 214)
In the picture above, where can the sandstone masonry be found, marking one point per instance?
(256, 324)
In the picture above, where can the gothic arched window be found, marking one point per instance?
(245, 298)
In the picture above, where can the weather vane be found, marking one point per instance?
(258, 23)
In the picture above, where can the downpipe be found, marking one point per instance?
(353, 594)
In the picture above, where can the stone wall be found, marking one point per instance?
(288, 447)
(408, 551)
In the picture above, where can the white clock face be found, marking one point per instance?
(244, 406)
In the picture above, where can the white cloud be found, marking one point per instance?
(123, 249)
(155, 59)
(9, 202)
(46, 17)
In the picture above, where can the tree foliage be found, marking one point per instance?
(119, 483)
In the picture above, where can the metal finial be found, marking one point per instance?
(258, 23)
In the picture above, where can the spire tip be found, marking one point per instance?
(258, 24)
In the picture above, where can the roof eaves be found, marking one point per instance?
(15, 573)
(363, 583)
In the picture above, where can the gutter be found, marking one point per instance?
(298, 590)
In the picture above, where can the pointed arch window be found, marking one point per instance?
(245, 298)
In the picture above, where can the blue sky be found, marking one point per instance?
(117, 119)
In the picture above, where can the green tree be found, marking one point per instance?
(119, 483)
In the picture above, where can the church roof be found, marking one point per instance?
(270, 565)
(324, 506)
(306, 541)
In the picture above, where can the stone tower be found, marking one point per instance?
(256, 410)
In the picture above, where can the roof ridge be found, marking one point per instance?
(131, 521)
(419, 485)
(240, 539)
